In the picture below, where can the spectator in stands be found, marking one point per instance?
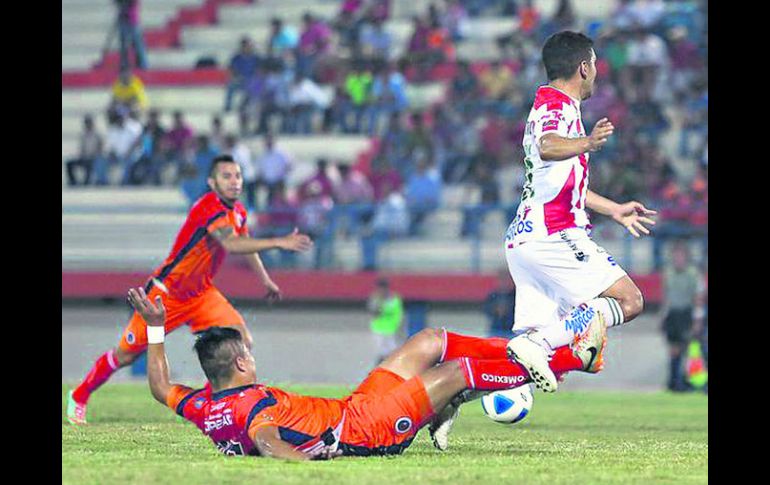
(417, 49)
(440, 47)
(375, 42)
(391, 220)
(129, 34)
(249, 169)
(128, 92)
(387, 312)
(283, 38)
(243, 65)
(647, 13)
(281, 218)
(194, 175)
(315, 220)
(455, 19)
(377, 11)
(217, 135)
(314, 42)
(354, 198)
(647, 56)
(499, 306)
(419, 145)
(464, 89)
(274, 166)
(388, 95)
(423, 193)
(306, 98)
(685, 62)
(348, 23)
(90, 147)
(180, 141)
(152, 160)
(254, 96)
(563, 19)
(120, 148)
(482, 195)
(393, 145)
(358, 86)
(320, 178)
(274, 96)
(384, 178)
(696, 116)
(498, 87)
(682, 284)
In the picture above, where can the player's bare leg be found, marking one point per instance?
(628, 295)
(421, 352)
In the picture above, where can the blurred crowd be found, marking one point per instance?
(342, 75)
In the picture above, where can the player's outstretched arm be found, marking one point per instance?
(236, 244)
(269, 443)
(631, 215)
(554, 148)
(273, 291)
(157, 364)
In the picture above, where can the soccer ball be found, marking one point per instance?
(509, 406)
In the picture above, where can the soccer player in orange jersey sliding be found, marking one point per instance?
(216, 225)
(381, 416)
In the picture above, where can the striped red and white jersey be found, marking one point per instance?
(554, 193)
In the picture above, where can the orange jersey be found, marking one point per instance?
(196, 255)
(380, 417)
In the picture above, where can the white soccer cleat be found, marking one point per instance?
(441, 425)
(534, 358)
(589, 348)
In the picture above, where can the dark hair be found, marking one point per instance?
(225, 158)
(563, 52)
(217, 349)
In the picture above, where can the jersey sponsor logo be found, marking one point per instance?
(579, 319)
(403, 424)
(519, 225)
(218, 421)
(502, 379)
(217, 407)
(612, 261)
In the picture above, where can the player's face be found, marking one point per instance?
(228, 181)
(590, 76)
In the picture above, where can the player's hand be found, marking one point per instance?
(296, 241)
(326, 453)
(633, 216)
(273, 292)
(153, 314)
(600, 134)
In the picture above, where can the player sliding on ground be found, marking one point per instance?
(564, 280)
(216, 225)
(380, 417)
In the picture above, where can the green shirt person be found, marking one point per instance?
(387, 309)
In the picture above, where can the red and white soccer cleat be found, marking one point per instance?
(76, 412)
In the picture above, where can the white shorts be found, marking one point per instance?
(555, 274)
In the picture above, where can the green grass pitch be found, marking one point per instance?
(570, 437)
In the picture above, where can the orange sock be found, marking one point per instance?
(457, 345)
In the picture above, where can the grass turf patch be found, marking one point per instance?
(570, 437)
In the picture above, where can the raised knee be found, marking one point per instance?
(632, 305)
(432, 340)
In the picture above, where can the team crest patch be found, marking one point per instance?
(130, 337)
(403, 424)
(199, 402)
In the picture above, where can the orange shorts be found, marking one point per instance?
(384, 414)
(205, 310)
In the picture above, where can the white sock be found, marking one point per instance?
(564, 332)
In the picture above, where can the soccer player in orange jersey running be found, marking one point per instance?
(381, 416)
(216, 225)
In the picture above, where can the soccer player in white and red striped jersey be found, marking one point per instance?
(564, 281)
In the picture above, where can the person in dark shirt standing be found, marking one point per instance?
(499, 306)
(243, 64)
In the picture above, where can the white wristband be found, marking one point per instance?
(155, 335)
